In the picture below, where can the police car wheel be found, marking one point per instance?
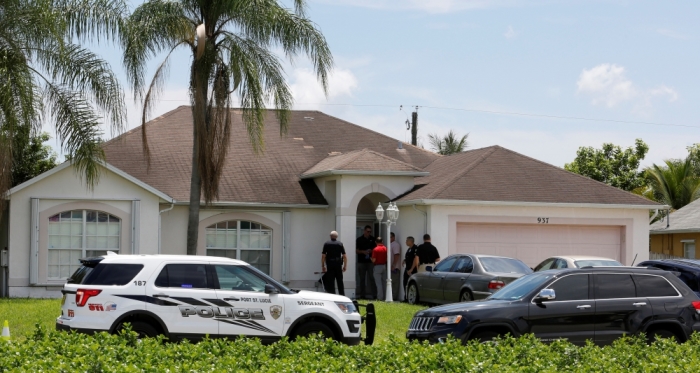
(412, 294)
(144, 329)
(314, 328)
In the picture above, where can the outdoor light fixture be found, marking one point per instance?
(392, 215)
(380, 212)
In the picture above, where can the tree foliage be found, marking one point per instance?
(31, 156)
(231, 44)
(676, 183)
(47, 76)
(611, 164)
(451, 143)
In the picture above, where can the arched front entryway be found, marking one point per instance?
(366, 217)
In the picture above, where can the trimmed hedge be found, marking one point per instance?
(70, 352)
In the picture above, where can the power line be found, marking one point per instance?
(502, 113)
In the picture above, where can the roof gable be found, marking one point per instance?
(108, 166)
(363, 161)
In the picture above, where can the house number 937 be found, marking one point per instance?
(542, 220)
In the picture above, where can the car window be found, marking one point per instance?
(690, 279)
(445, 265)
(112, 274)
(611, 286)
(654, 286)
(190, 276)
(464, 265)
(232, 277)
(573, 287)
(547, 264)
(597, 263)
(559, 264)
(503, 265)
(521, 287)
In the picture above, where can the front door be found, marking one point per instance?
(457, 278)
(431, 284)
(181, 295)
(619, 311)
(569, 316)
(245, 308)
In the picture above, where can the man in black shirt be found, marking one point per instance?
(427, 255)
(365, 269)
(333, 262)
(408, 261)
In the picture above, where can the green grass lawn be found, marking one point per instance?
(392, 318)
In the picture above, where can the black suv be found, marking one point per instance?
(598, 304)
(688, 270)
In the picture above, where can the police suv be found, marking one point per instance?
(188, 297)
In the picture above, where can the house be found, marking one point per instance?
(276, 209)
(676, 234)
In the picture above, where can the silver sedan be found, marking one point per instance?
(464, 277)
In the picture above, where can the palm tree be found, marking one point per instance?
(231, 44)
(45, 75)
(674, 184)
(448, 144)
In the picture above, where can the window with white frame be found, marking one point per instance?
(77, 234)
(689, 249)
(239, 239)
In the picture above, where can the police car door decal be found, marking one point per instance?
(253, 312)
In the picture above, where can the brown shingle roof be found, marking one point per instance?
(272, 177)
(498, 174)
(360, 160)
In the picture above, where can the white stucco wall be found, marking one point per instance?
(65, 188)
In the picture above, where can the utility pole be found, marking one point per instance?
(414, 127)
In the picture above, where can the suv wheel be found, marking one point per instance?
(143, 329)
(314, 328)
(412, 293)
(466, 296)
(657, 334)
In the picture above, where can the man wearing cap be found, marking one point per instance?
(333, 263)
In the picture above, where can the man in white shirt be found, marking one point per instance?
(395, 267)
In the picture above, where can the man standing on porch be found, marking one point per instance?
(333, 263)
(380, 270)
(365, 269)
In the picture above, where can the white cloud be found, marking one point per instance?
(607, 84)
(672, 34)
(510, 33)
(430, 6)
(309, 92)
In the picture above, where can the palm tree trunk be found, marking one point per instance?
(195, 195)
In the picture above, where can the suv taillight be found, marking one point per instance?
(696, 305)
(495, 284)
(82, 296)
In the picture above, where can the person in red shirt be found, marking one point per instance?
(379, 260)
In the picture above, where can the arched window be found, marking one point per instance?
(240, 239)
(77, 234)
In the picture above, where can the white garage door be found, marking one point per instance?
(534, 243)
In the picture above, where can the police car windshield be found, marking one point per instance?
(522, 286)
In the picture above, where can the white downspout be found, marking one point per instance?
(425, 215)
(172, 204)
(656, 213)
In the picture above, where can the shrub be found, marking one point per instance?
(70, 352)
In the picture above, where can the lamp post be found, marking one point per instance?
(392, 215)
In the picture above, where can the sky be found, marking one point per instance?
(472, 65)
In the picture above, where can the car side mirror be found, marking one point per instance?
(271, 289)
(545, 294)
(429, 268)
